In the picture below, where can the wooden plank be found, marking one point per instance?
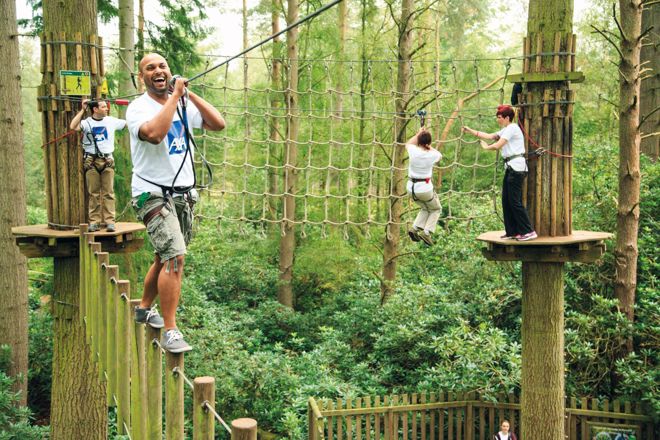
(404, 417)
(539, 50)
(526, 52)
(377, 435)
(349, 419)
(450, 417)
(573, 47)
(49, 52)
(358, 420)
(512, 414)
(459, 418)
(566, 220)
(423, 417)
(555, 146)
(79, 53)
(441, 417)
(64, 65)
(367, 419)
(101, 62)
(555, 61)
(340, 420)
(330, 420)
(413, 401)
(482, 421)
(432, 399)
(93, 56)
(546, 77)
(584, 404)
(491, 419)
(394, 418)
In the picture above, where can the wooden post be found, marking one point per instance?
(138, 381)
(154, 384)
(174, 396)
(103, 262)
(124, 357)
(244, 429)
(203, 419)
(111, 333)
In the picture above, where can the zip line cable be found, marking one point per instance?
(266, 40)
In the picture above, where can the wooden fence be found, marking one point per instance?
(130, 361)
(450, 416)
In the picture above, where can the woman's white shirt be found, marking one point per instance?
(420, 166)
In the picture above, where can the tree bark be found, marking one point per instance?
(13, 265)
(627, 224)
(288, 240)
(397, 183)
(342, 24)
(542, 381)
(275, 103)
(78, 404)
(650, 86)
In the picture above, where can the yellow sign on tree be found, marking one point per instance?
(75, 82)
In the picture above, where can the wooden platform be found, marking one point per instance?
(37, 241)
(581, 246)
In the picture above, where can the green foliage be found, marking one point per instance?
(35, 25)
(14, 420)
(178, 37)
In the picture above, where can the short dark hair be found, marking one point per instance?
(506, 111)
(424, 139)
(92, 105)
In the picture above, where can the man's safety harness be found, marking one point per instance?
(97, 152)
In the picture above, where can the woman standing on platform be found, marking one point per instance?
(510, 139)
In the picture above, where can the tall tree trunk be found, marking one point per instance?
(650, 87)
(140, 37)
(549, 29)
(397, 183)
(342, 23)
(627, 221)
(288, 240)
(13, 265)
(275, 103)
(78, 404)
(123, 149)
(542, 332)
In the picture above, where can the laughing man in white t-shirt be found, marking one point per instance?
(510, 139)
(163, 179)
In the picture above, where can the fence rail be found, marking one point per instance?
(130, 360)
(451, 416)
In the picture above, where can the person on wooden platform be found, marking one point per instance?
(512, 143)
(98, 142)
(160, 123)
(505, 432)
(422, 157)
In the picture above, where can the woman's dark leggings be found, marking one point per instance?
(516, 219)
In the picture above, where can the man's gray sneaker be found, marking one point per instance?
(173, 342)
(149, 316)
(110, 227)
(93, 227)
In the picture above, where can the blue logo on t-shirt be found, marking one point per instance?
(100, 133)
(176, 140)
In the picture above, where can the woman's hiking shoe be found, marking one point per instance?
(526, 237)
(413, 234)
(149, 316)
(508, 237)
(173, 342)
(426, 238)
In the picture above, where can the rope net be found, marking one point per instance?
(346, 140)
